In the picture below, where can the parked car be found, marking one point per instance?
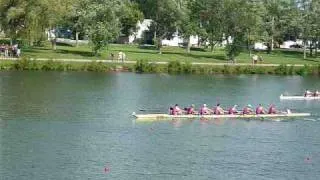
(296, 46)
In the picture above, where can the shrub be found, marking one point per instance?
(22, 64)
(141, 66)
(174, 67)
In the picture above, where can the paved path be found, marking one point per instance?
(158, 62)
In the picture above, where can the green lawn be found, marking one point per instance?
(133, 52)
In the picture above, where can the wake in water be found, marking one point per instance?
(310, 119)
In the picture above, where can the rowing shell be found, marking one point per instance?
(282, 97)
(167, 116)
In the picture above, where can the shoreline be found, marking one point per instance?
(153, 62)
(141, 66)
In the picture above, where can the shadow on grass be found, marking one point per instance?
(46, 51)
(199, 49)
(184, 54)
(76, 52)
(64, 44)
(294, 53)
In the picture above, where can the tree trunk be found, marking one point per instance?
(272, 38)
(54, 44)
(311, 49)
(211, 41)
(159, 42)
(316, 48)
(248, 44)
(189, 44)
(304, 50)
(77, 39)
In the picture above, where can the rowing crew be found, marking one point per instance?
(218, 110)
(308, 93)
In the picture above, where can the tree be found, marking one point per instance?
(210, 13)
(100, 19)
(277, 14)
(130, 15)
(166, 15)
(28, 19)
(189, 24)
(240, 17)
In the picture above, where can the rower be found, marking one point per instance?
(204, 110)
(272, 109)
(307, 93)
(233, 110)
(247, 109)
(260, 109)
(316, 93)
(171, 110)
(218, 110)
(191, 110)
(177, 110)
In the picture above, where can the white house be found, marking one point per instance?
(287, 44)
(260, 46)
(176, 40)
(142, 27)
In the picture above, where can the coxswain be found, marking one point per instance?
(233, 110)
(218, 110)
(307, 93)
(260, 109)
(177, 110)
(272, 109)
(204, 110)
(247, 109)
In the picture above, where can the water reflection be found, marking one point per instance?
(79, 126)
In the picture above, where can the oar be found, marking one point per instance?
(150, 110)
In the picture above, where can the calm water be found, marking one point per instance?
(78, 126)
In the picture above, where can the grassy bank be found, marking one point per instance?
(135, 52)
(142, 66)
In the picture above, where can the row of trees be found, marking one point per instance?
(246, 21)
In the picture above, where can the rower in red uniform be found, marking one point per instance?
(191, 110)
(272, 109)
(204, 110)
(247, 109)
(260, 110)
(316, 93)
(233, 110)
(177, 110)
(218, 110)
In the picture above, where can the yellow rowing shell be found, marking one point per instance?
(167, 116)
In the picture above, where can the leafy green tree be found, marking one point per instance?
(210, 13)
(28, 19)
(240, 17)
(100, 19)
(166, 15)
(130, 15)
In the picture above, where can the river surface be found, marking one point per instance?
(78, 125)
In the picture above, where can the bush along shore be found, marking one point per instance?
(142, 66)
